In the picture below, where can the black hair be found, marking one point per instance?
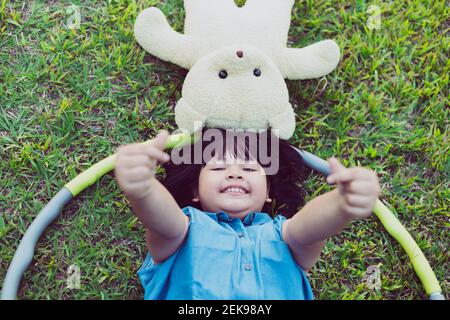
(285, 186)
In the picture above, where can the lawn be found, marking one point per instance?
(70, 96)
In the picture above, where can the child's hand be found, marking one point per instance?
(136, 163)
(359, 188)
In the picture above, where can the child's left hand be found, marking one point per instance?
(359, 188)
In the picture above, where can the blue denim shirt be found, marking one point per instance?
(227, 258)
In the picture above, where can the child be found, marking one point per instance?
(208, 230)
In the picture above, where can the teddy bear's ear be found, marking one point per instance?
(313, 61)
(154, 34)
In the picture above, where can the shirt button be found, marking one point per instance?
(247, 267)
(241, 234)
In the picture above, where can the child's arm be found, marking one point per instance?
(328, 214)
(166, 225)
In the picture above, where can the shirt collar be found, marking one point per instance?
(251, 218)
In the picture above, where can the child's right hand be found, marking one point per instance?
(136, 164)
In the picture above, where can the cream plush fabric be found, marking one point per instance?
(220, 36)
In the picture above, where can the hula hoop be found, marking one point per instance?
(25, 251)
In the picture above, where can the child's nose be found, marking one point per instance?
(234, 173)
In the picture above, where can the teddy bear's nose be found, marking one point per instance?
(240, 54)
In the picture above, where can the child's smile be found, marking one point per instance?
(235, 190)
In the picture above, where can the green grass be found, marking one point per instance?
(69, 98)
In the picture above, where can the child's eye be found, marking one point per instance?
(249, 169)
(217, 169)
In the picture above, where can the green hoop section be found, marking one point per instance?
(418, 260)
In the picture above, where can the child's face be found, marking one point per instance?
(216, 178)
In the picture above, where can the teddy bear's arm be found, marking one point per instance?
(155, 35)
(313, 61)
(187, 118)
(284, 122)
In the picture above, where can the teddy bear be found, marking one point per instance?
(238, 61)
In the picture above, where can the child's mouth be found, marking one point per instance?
(235, 191)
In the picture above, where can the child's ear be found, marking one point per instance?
(195, 197)
(268, 191)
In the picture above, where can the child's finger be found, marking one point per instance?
(348, 175)
(344, 176)
(157, 154)
(356, 200)
(360, 187)
(138, 174)
(341, 177)
(136, 161)
(335, 168)
(335, 165)
(160, 140)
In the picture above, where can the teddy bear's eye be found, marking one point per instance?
(257, 72)
(223, 74)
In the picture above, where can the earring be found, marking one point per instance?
(195, 199)
(268, 200)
